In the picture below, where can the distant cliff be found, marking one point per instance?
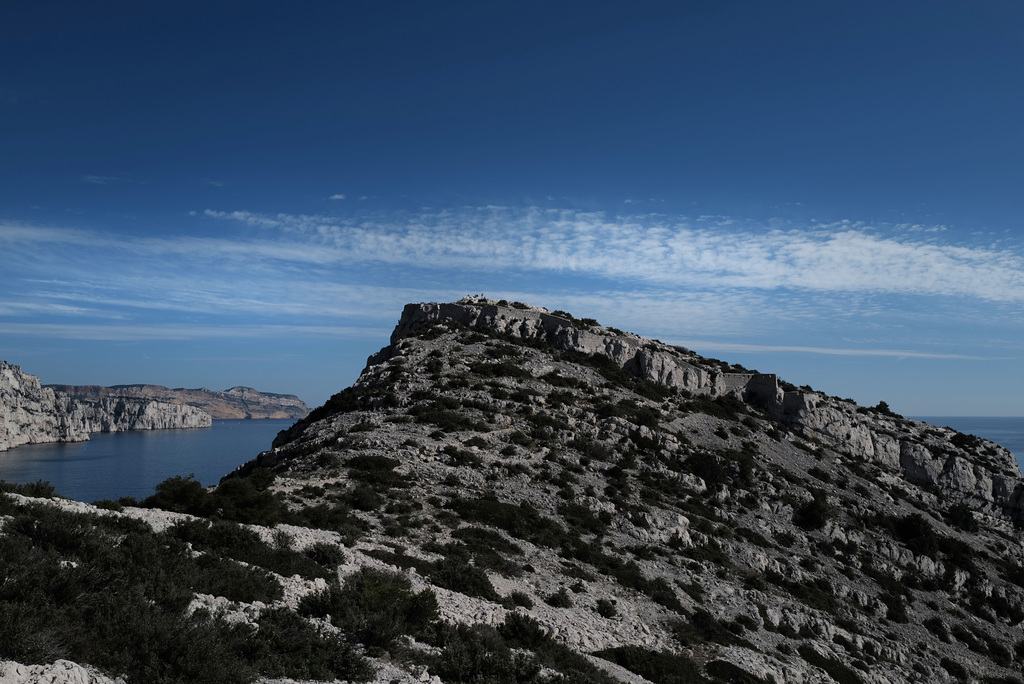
(237, 402)
(33, 414)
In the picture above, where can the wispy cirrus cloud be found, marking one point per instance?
(99, 180)
(139, 332)
(701, 252)
(696, 279)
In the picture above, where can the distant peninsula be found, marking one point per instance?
(234, 403)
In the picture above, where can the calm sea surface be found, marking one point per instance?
(1007, 432)
(116, 464)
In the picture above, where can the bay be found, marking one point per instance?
(1005, 431)
(116, 464)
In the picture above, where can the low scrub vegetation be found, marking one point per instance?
(107, 591)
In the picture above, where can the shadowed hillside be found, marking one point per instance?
(509, 494)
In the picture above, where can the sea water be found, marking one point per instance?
(116, 464)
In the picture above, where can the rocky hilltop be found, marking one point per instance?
(33, 414)
(234, 403)
(512, 494)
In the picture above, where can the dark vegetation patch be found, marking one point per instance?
(374, 608)
(242, 544)
(840, 672)
(703, 627)
(108, 591)
(248, 500)
(40, 488)
(813, 514)
(513, 653)
(446, 419)
(656, 666)
(726, 407)
(522, 521)
(499, 369)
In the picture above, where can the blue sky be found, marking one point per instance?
(222, 193)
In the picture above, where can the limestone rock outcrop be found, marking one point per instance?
(923, 454)
(231, 404)
(29, 412)
(827, 541)
(57, 672)
(33, 414)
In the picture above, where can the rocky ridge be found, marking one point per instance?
(33, 414)
(558, 484)
(234, 403)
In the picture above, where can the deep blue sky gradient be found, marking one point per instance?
(219, 193)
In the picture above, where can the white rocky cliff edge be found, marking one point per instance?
(32, 414)
(920, 452)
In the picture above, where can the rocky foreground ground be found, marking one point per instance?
(510, 494)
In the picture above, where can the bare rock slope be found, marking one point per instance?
(234, 403)
(518, 495)
(723, 514)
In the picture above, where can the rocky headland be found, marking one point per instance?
(33, 414)
(512, 494)
(234, 403)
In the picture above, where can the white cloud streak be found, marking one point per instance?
(840, 257)
(703, 253)
(134, 333)
(709, 276)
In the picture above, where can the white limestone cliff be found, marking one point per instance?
(921, 454)
(33, 414)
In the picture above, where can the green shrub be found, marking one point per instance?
(960, 516)
(462, 457)
(336, 517)
(286, 645)
(325, 555)
(40, 489)
(837, 670)
(521, 599)
(522, 631)
(815, 513)
(364, 498)
(376, 472)
(606, 608)
(374, 607)
(181, 495)
(954, 668)
(119, 604)
(522, 521)
(240, 543)
(656, 666)
(458, 575)
(479, 654)
(724, 671)
(560, 599)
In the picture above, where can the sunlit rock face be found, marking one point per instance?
(32, 414)
(923, 453)
(231, 404)
(29, 413)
